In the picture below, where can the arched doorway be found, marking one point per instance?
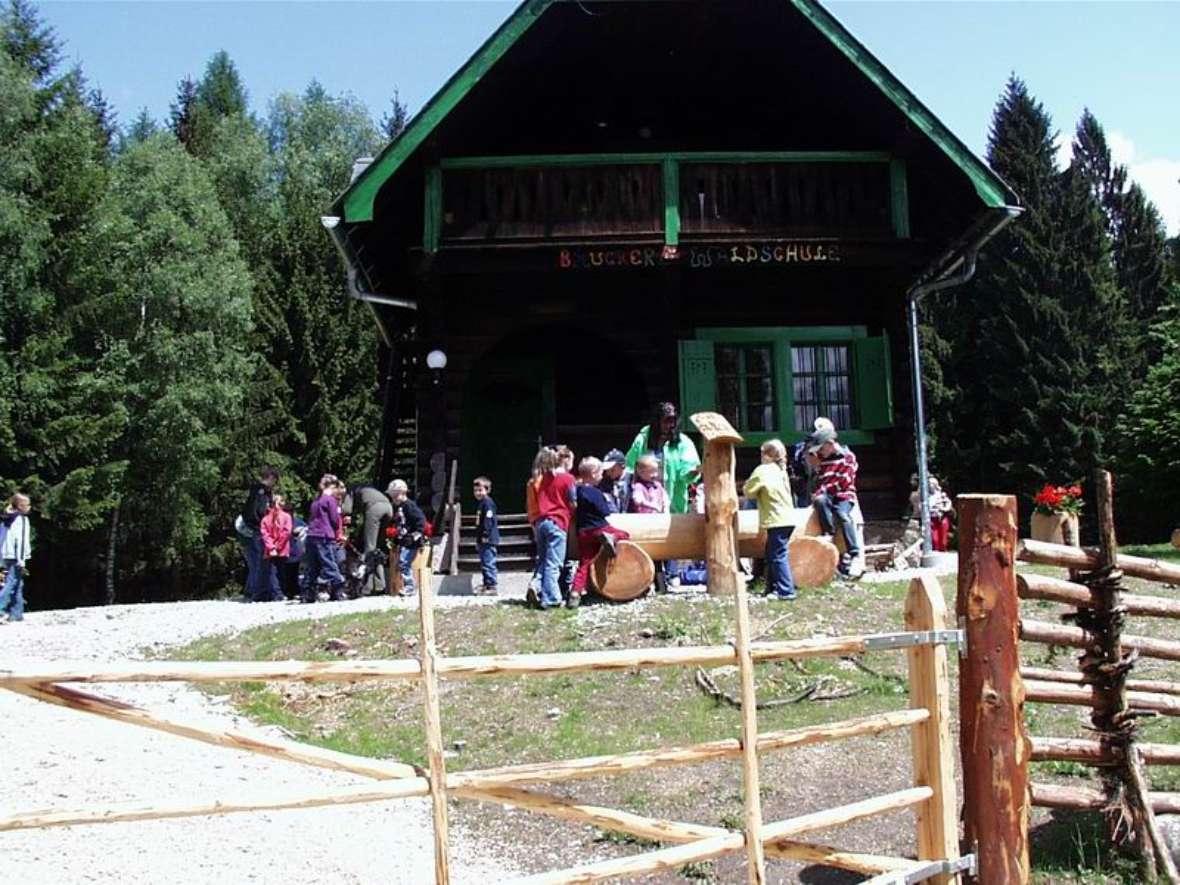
(545, 384)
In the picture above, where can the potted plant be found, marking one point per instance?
(1055, 514)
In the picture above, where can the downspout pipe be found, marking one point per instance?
(914, 297)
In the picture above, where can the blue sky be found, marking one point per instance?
(1117, 58)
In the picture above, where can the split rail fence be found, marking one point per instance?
(932, 796)
(995, 684)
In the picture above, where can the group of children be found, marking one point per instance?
(286, 556)
(560, 502)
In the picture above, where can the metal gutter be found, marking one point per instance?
(963, 253)
(352, 275)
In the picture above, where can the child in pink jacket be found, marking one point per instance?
(276, 527)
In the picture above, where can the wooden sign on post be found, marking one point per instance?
(721, 501)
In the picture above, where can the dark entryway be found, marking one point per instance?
(545, 384)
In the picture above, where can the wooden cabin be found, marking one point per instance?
(722, 203)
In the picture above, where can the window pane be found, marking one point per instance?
(727, 359)
(837, 390)
(727, 394)
(803, 359)
(760, 418)
(805, 415)
(842, 416)
(836, 359)
(758, 360)
(805, 389)
(759, 389)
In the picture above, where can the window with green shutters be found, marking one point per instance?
(776, 381)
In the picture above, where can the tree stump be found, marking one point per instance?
(626, 575)
(813, 561)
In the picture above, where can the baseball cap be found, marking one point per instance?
(613, 457)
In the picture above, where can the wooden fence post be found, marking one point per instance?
(428, 655)
(930, 689)
(721, 502)
(994, 744)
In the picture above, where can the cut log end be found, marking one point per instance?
(626, 575)
(813, 561)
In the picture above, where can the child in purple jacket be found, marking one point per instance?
(323, 527)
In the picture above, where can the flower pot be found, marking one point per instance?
(1052, 528)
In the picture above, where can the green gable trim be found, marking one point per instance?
(899, 199)
(362, 193)
(989, 186)
(432, 210)
(671, 170)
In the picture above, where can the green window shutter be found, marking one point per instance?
(698, 380)
(874, 391)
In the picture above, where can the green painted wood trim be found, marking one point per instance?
(989, 186)
(359, 198)
(671, 202)
(899, 198)
(798, 334)
(432, 210)
(640, 159)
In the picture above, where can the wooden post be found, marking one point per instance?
(434, 740)
(994, 743)
(930, 689)
(721, 501)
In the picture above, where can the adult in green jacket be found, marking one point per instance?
(679, 462)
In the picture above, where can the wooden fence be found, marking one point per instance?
(932, 795)
(996, 748)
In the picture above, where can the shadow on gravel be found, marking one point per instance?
(817, 875)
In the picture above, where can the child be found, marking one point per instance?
(593, 531)
(834, 497)
(770, 487)
(410, 537)
(534, 516)
(487, 534)
(16, 546)
(556, 498)
(569, 565)
(276, 528)
(648, 495)
(323, 527)
(616, 480)
(647, 492)
(941, 510)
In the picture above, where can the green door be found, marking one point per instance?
(508, 409)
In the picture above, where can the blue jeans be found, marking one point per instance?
(322, 567)
(487, 564)
(832, 512)
(405, 558)
(268, 588)
(12, 597)
(252, 553)
(779, 580)
(551, 555)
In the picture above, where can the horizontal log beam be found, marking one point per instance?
(1087, 799)
(1078, 595)
(1076, 637)
(598, 766)
(1045, 749)
(1087, 558)
(1074, 678)
(1083, 696)
(290, 751)
(450, 668)
(704, 849)
(677, 832)
(117, 812)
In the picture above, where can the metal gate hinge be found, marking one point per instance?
(928, 870)
(912, 638)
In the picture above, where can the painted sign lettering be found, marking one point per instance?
(702, 257)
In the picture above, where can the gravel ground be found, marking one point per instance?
(62, 759)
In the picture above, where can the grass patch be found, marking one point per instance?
(1072, 847)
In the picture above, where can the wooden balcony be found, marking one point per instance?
(701, 197)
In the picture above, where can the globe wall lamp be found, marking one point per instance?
(436, 361)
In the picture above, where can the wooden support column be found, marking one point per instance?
(994, 744)
(434, 739)
(721, 501)
(930, 689)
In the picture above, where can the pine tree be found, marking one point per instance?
(28, 41)
(143, 127)
(183, 114)
(220, 91)
(394, 120)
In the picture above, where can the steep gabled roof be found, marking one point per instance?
(356, 203)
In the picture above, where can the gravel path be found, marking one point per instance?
(62, 759)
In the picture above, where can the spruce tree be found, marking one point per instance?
(395, 119)
(1015, 417)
